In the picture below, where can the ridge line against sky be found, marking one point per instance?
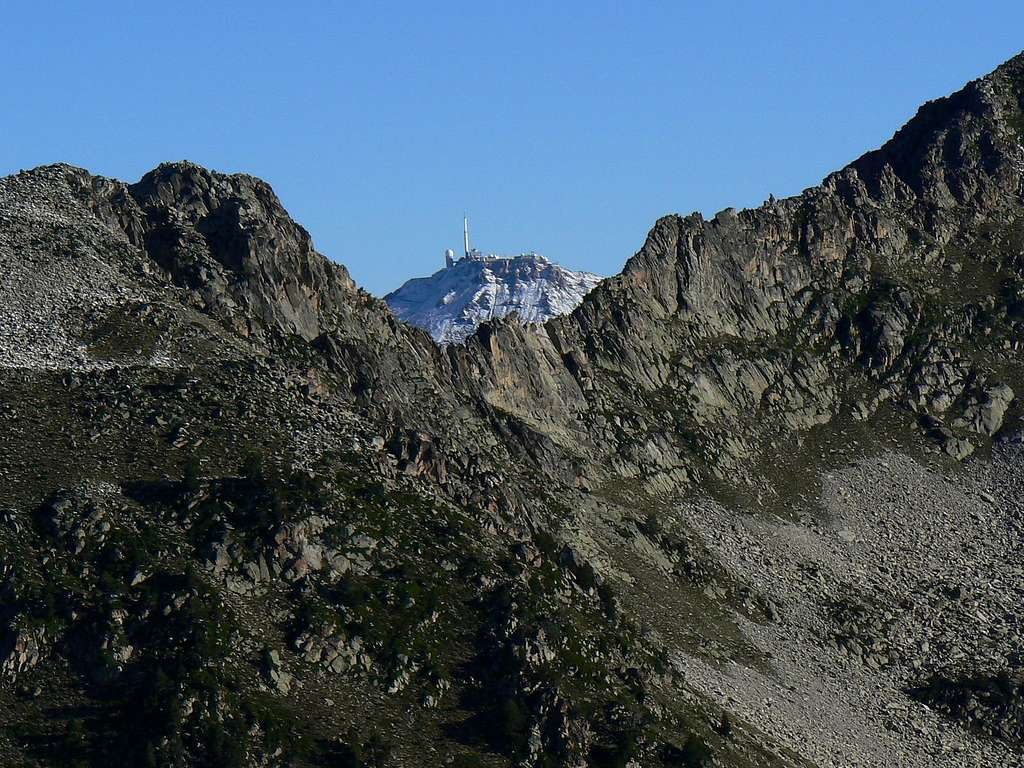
(565, 130)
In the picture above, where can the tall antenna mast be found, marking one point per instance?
(465, 233)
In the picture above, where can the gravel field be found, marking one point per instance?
(937, 558)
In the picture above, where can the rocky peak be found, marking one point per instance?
(452, 302)
(228, 240)
(778, 308)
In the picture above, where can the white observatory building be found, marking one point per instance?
(467, 253)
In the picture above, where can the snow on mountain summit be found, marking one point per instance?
(452, 302)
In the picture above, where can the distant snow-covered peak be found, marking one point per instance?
(453, 301)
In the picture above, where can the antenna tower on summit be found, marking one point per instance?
(465, 233)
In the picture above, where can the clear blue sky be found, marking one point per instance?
(565, 128)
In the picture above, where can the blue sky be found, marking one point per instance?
(565, 128)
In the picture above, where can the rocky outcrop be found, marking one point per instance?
(21, 650)
(773, 312)
(228, 240)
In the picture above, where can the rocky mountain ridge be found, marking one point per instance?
(827, 268)
(753, 502)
